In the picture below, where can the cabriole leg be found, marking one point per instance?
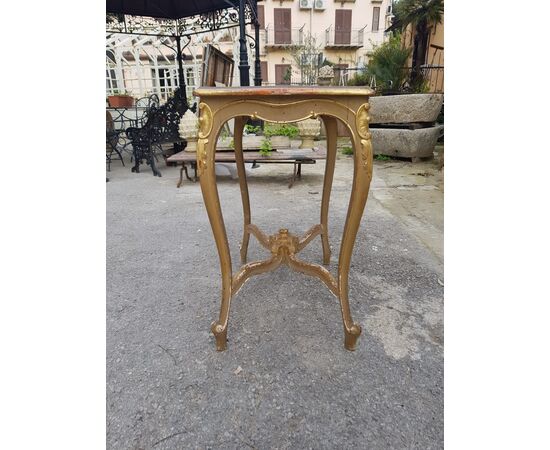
(238, 141)
(331, 129)
(205, 161)
(362, 174)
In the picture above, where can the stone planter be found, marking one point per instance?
(252, 142)
(278, 142)
(401, 137)
(309, 129)
(419, 143)
(324, 81)
(189, 130)
(408, 108)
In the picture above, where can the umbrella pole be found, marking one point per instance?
(257, 65)
(243, 53)
(180, 69)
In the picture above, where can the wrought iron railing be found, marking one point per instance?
(295, 37)
(353, 38)
(431, 79)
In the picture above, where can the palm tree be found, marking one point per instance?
(422, 15)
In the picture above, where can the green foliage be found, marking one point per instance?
(266, 147)
(232, 144)
(347, 150)
(224, 133)
(361, 78)
(288, 74)
(122, 92)
(423, 13)
(286, 129)
(382, 157)
(306, 59)
(387, 64)
(251, 129)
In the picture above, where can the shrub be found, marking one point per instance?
(286, 129)
(388, 64)
(359, 79)
(265, 147)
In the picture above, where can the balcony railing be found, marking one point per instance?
(342, 39)
(281, 39)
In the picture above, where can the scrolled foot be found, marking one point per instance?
(351, 337)
(220, 333)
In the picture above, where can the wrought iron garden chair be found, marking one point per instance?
(160, 127)
(112, 141)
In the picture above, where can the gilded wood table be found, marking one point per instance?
(284, 105)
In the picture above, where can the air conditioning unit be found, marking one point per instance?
(320, 4)
(306, 4)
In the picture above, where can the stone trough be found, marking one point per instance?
(404, 125)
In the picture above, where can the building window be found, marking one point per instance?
(375, 18)
(112, 84)
(342, 28)
(164, 81)
(283, 22)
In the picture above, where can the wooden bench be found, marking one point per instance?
(282, 156)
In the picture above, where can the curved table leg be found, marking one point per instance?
(206, 148)
(331, 128)
(239, 159)
(362, 174)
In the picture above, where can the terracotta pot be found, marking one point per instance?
(121, 101)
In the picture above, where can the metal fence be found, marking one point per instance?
(432, 77)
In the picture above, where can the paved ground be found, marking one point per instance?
(297, 388)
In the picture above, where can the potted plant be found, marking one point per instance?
(120, 100)
(280, 135)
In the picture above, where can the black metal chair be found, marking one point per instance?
(160, 127)
(112, 142)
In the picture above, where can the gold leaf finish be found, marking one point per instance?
(205, 120)
(205, 127)
(366, 154)
(283, 247)
(201, 156)
(282, 105)
(362, 121)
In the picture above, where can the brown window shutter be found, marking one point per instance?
(375, 18)
(280, 72)
(283, 23)
(261, 16)
(263, 65)
(342, 27)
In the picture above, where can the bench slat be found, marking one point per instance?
(280, 155)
